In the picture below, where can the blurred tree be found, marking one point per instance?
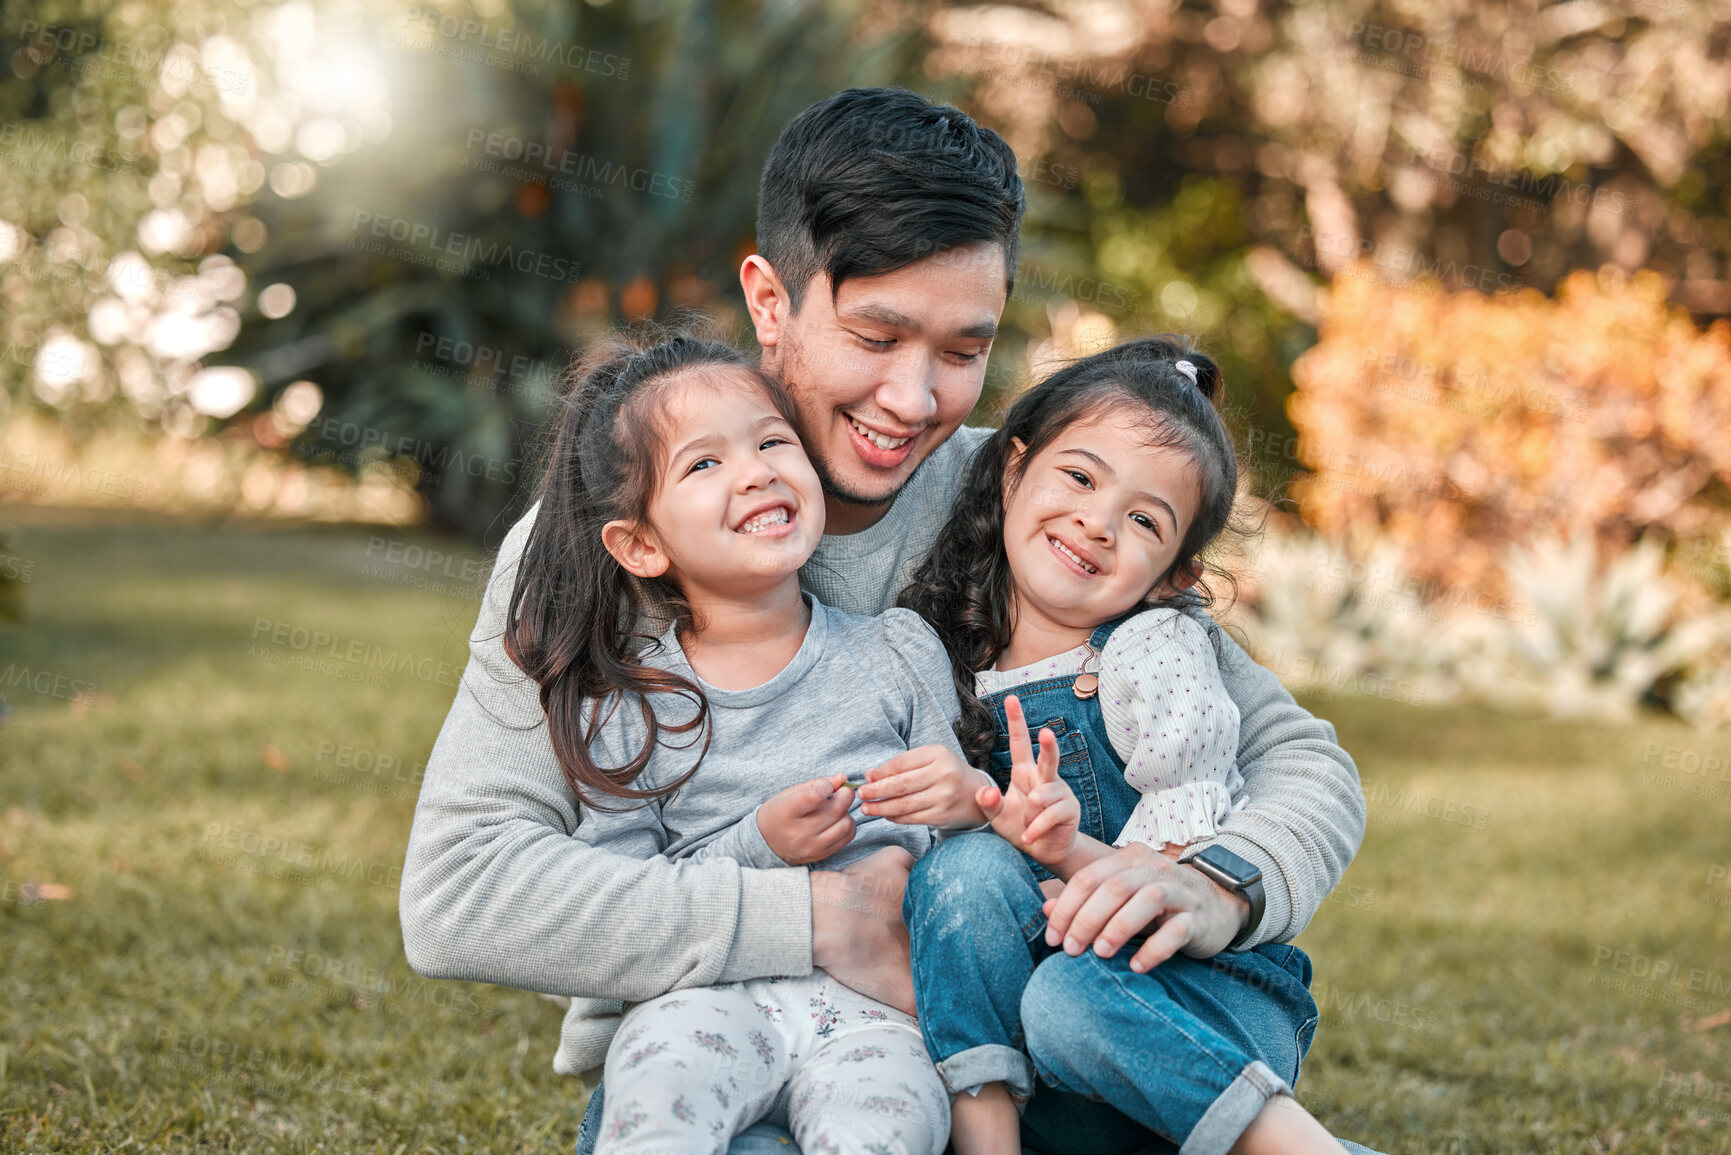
(551, 171)
(398, 219)
(1232, 155)
(458, 195)
(1460, 426)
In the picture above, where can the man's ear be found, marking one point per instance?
(635, 549)
(765, 299)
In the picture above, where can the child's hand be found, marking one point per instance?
(927, 786)
(1039, 814)
(808, 822)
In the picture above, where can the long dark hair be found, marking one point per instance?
(963, 588)
(578, 622)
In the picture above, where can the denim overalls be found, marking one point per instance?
(1185, 1054)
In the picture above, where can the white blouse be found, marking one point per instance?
(1168, 716)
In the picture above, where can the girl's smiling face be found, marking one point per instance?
(737, 504)
(1094, 523)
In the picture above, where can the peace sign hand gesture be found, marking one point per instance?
(1039, 814)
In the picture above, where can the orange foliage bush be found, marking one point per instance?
(1459, 425)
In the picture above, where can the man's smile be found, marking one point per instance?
(877, 448)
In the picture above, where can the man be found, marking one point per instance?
(887, 234)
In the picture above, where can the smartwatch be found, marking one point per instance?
(1237, 875)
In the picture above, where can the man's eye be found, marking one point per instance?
(966, 358)
(876, 343)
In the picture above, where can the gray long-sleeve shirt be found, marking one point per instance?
(859, 691)
(496, 888)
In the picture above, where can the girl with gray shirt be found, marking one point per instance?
(678, 489)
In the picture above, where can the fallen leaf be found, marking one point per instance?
(276, 759)
(1709, 1022)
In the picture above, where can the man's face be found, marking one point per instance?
(885, 372)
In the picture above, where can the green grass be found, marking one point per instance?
(163, 1004)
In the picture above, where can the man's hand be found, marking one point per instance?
(1039, 814)
(808, 822)
(926, 786)
(1126, 890)
(857, 933)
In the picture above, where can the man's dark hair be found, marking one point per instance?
(873, 179)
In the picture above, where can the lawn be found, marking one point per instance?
(202, 817)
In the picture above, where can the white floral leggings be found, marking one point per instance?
(692, 1069)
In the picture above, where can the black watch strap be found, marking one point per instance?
(1235, 874)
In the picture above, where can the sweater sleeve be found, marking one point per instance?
(1172, 722)
(744, 843)
(1305, 816)
(931, 692)
(928, 682)
(495, 888)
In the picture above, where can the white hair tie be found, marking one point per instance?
(1187, 369)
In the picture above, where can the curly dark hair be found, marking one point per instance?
(578, 622)
(964, 585)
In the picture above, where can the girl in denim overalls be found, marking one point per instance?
(1061, 588)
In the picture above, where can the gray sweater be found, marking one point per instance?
(859, 691)
(497, 889)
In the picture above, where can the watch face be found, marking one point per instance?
(1235, 872)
